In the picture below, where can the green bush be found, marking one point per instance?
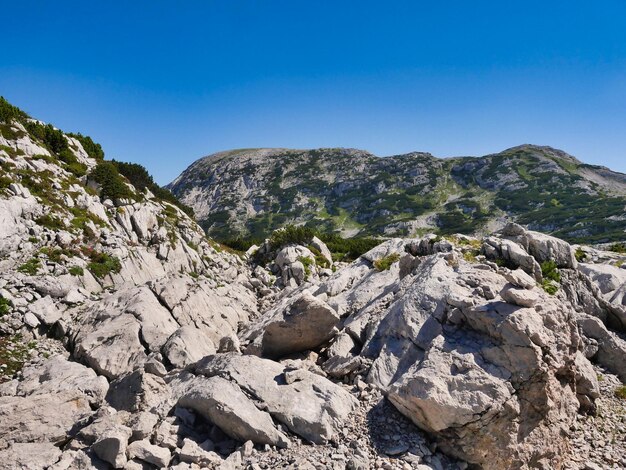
(56, 254)
(348, 249)
(8, 112)
(291, 235)
(342, 249)
(112, 185)
(550, 271)
(76, 271)
(5, 306)
(102, 264)
(307, 263)
(53, 139)
(618, 247)
(384, 263)
(549, 286)
(620, 392)
(51, 222)
(30, 267)
(580, 254)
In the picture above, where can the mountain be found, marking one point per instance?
(251, 192)
(128, 339)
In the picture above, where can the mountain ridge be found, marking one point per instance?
(250, 192)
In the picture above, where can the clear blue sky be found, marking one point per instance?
(163, 83)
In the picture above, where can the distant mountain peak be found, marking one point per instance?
(250, 192)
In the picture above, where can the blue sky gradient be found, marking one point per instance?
(163, 83)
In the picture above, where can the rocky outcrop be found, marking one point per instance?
(224, 404)
(476, 354)
(307, 404)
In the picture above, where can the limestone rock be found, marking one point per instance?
(147, 452)
(111, 446)
(29, 455)
(57, 374)
(304, 323)
(225, 405)
(521, 297)
(186, 346)
(312, 407)
(41, 418)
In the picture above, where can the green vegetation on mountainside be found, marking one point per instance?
(355, 193)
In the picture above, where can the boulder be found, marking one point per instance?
(29, 455)
(111, 445)
(305, 322)
(320, 246)
(186, 346)
(45, 310)
(519, 278)
(199, 454)
(114, 333)
(155, 455)
(611, 351)
(225, 405)
(57, 374)
(521, 297)
(608, 278)
(542, 247)
(50, 417)
(484, 377)
(137, 391)
(312, 407)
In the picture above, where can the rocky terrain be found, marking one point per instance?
(130, 340)
(249, 193)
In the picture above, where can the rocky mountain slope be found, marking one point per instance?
(130, 340)
(254, 191)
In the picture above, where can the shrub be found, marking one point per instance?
(102, 264)
(549, 286)
(470, 255)
(319, 258)
(384, 263)
(307, 263)
(55, 254)
(291, 235)
(342, 249)
(142, 180)
(51, 222)
(112, 185)
(5, 306)
(550, 271)
(620, 392)
(76, 271)
(580, 254)
(618, 247)
(52, 138)
(30, 267)
(348, 249)
(13, 354)
(8, 112)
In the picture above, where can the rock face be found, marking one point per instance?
(477, 364)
